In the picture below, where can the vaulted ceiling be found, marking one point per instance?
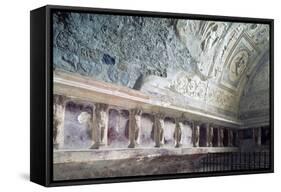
(227, 58)
(208, 66)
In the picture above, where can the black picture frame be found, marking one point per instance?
(41, 90)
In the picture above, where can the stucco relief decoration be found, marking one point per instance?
(259, 33)
(222, 99)
(199, 90)
(187, 86)
(202, 39)
(238, 65)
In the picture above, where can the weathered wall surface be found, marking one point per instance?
(201, 64)
(255, 104)
(127, 167)
(116, 49)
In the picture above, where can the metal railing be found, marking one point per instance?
(232, 161)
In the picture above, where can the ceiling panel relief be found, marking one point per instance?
(206, 41)
(259, 34)
(226, 55)
(203, 39)
(237, 63)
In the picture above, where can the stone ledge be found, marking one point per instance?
(88, 155)
(83, 88)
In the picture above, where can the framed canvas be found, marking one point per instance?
(121, 95)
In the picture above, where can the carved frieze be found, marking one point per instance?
(200, 90)
(222, 99)
(191, 87)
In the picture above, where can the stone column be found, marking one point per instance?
(220, 137)
(235, 139)
(100, 125)
(158, 126)
(240, 138)
(230, 138)
(58, 121)
(177, 133)
(196, 134)
(257, 136)
(210, 135)
(134, 127)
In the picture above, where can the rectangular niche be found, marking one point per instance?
(147, 131)
(77, 130)
(118, 128)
